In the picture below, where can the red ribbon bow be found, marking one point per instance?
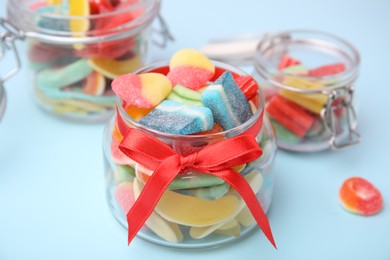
(216, 159)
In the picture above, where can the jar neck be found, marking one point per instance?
(251, 127)
(26, 20)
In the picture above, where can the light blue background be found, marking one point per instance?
(52, 201)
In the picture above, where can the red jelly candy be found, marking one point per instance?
(247, 85)
(327, 70)
(290, 115)
(359, 196)
(287, 61)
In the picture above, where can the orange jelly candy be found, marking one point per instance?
(359, 196)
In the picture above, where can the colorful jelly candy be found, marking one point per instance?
(359, 196)
(290, 115)
(287, 61)
(312, 102)
(247, 85)
(74, 80)
(227, 102)
(141, 90)
(163, 228)
(190, 68)
(176, 118)
(185, 95)
(327, 70)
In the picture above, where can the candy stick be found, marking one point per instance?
(290, 115)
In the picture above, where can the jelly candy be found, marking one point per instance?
(124, 195)
(228, 104)
(196, 212)
(247, 85)
(79, 8)
(287, 61)
(312, 102)
(359, 196)
(67, 75)
(94, 84)
(113, 68)
(290, 115)
(327, 70)
(190, 68)
(185, 95)
(175, 118)
(144, 91)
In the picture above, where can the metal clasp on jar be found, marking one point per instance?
(340, 101)
(8, 35)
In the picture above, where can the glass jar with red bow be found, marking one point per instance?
(191, 191)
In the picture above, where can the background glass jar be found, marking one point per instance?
(75, 50)
(308, 78)
(2, 100)
(125, 178)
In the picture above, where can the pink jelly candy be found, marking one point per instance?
(144, 91)
(190, 68)
(124, 195)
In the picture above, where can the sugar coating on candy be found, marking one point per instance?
(175, 118)
(359, 196)
(143, 91)
(190, 77)
(290, 115)
(190, 68)
(185, 95)
(227, 102)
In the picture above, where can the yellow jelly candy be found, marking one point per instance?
(255, 180)
(231, 228)
(79, 8)
(165, 229)
(193, 58)
(196, 212)
(54, 2)
(113, 68)
(245, 218)
(311, 102)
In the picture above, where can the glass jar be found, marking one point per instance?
(308, 79)
(2, 100)
(197, 191)
(76, 48)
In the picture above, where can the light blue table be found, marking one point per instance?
(52, 201)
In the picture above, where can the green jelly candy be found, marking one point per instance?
(284, 134)
(126, 173)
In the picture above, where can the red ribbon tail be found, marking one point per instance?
(151, 194)
(237, 181)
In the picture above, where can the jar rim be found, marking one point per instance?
(334, 82)
(29, 28)
(231, 132)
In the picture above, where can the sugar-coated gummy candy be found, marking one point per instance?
(190, 68)
(287, 61)
(312, 102)
(359, 196)
(327, 70)
(176, 118)
(185, 95)
(144, 90)
(290, 115)
(227, 102)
